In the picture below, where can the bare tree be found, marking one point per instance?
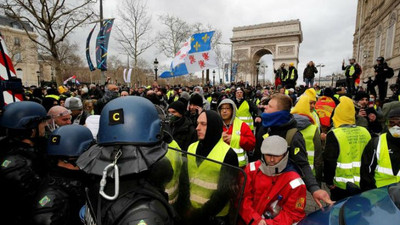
(135, 27)
(52, 21)
(176, 32)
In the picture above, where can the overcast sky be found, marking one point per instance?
(328, 25)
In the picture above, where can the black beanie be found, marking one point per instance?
(360, 95)
(196, 99)
(394, 113)
(178, 106)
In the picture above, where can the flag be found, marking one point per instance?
(127, 77)
(102, 44)
(90, 64)
(72, 79)
(195, 55)
(10, 86)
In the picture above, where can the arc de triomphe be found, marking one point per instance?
(250, 43)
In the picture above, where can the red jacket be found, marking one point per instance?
(247, 139)
(261, 190)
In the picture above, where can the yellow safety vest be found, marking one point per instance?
(352, 70)
(209, 99)
(176, 98)
(352, 141)
(204, 178)
(235, 142)
(175, 158)
(316, 118)
(308, 135)
(258, 101)
(243, 113)
(291, 75)
(56, 97)
(383, 171)
(169, 93)
(336, 96)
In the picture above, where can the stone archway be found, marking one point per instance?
(249, 43)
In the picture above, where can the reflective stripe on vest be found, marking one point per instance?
(352, 141)
(308, 135)
(175, 158)
(235, 142)
(204, 178)
(243, 113)
(383, 171)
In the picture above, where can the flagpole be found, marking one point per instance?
(103, 73)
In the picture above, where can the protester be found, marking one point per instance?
(236, 133)
(183, 131)
(309, 74)
(78, 115)
(342, 156)
(272, 179)
(59, 116)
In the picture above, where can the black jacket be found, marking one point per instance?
(309, 72)
(183, 132)
(297, 151)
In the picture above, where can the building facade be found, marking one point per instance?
(377, 34)
(24, 52)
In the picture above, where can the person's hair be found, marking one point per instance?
(284, 101)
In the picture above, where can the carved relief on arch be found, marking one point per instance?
(378, 31)
(270, 48)
(392, 19)
(286, 50)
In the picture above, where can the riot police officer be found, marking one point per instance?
(63, 193)
(130, 143)
(21, 159)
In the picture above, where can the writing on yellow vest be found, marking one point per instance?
(383, 171)
(352, 141)
(204, 178)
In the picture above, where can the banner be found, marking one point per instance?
(88, 59)
(102, 44)
(226, 72)
(10, 87)
(234, 71)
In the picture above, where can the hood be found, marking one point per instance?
(311, 93)
(201, 90)
(344, 113)
(302, 107)
(228, 101)
(302, 121)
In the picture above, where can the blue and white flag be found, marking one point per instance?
(195, 55)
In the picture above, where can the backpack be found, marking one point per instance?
(389, 73)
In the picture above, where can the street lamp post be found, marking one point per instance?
(320, 69)
(155, 69)
(38, 78)
(258, 69)
(213, 77)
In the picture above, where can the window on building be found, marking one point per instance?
(18, 56)
(17, 42)
(390, 35)
(378, 42)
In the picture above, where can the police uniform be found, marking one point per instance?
(123, 162)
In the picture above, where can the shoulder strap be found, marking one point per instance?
(144, 191)
(289, 135)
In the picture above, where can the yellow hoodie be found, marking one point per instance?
(302, 107)
(344, 112)
(311, 94)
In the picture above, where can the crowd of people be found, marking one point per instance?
(63, 148)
